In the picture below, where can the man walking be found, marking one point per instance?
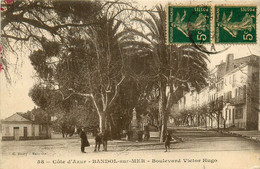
(167, 142)
(98, 140)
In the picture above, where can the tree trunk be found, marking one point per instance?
(162, 110)
(198, 122)
(47, 126)
(218, 120)
(206, 125)
(101, 116)
(114, 127)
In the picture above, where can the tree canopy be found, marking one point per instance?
(110, 55)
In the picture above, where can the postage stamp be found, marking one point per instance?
(188, 24)
(235, 24)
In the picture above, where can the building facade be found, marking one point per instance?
(19, 127)
(231, 98)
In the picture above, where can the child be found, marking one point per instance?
(167, 141)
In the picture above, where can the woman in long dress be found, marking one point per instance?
(84, 140)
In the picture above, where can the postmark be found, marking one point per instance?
(188, 22)
(235, 24)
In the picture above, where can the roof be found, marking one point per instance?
(17, 117)
(234, 63)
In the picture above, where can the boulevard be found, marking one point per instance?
(194, 140)
(200, 148)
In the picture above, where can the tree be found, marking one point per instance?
(92, 64)
(175, 69)
(22, 20)
(46, 100)
(24, 23)
(215, 110)
(203, 114)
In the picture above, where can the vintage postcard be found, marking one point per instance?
(130, 84)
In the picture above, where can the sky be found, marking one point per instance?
(14, 96)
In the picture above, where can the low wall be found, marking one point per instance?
(154, 134)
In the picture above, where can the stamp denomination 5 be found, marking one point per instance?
(235, 24)
(188, 24)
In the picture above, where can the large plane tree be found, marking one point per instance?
(92, 63)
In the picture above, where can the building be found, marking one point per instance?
(21, 127)
(231, 98)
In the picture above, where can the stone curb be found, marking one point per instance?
(240, 135)
(235, 134)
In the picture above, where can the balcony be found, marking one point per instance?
(227, 100)
(240, 99)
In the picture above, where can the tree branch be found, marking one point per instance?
(116, 90)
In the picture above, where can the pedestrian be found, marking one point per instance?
(98, 140)
(84, 140)
(146, 133)
(104, 139)
(167, 142)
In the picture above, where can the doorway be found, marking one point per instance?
(25, 132)
(16, 133)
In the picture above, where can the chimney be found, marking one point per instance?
(229, 62)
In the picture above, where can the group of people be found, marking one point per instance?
(101, 137)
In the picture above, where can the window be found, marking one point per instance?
(33, 130)
(229, 115)
(239, 113)
(233, 114)
(7, 132)
(230, 94)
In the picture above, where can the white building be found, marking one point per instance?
(236, 84)
(18, 127)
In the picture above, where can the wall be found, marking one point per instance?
(10, 134)
(252, 97)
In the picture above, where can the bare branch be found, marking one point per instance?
(116, 90)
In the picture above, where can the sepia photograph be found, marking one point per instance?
(130, 84)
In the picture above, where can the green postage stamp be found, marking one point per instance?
(187, 24)
(235, 24)
(192, 24)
